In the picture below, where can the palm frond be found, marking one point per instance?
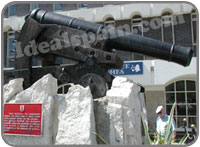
(169, 124)
(147, 136)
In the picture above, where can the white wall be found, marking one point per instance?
(165, 71)
(14, 23)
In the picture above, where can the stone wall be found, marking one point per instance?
(75, 118)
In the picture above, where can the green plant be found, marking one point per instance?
(166, 139)
(101, 138)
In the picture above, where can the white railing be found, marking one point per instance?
(62, 88)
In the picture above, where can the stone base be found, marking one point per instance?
(118, 114)
(75, 118)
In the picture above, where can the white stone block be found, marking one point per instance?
(75, 120)
(40, 92)
(12, 88)
(116, 124)
(124, 109)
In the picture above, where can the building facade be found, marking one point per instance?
(164, 82)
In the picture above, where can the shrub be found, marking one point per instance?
(166, 139)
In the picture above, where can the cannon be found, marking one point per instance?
(49, 36)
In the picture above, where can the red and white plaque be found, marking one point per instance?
(22, 119)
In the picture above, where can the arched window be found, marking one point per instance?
(57, 7)
(167, 27)
(33, 6)
(194, 30)
(82, 5)
(10, 49)
(137, 28)
(184, 94)
(12, 10)
(136, 25)
(110, 22)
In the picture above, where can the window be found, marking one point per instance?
(35, 62)
(194, 27)
(56, 7)
(82, 6)
(110, 22)
(59, 60)
(107, 4)
(167, 28)
(137, 28)
(12, 10)
(184, 94)
(194, 30)
(33, 6)
(136, 25)
(11, 49)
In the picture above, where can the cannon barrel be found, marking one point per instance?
(128, 42)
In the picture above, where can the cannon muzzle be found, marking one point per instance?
(128, 42)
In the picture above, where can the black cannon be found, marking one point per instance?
(47, 36)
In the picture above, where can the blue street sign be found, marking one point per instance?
(129, 68)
